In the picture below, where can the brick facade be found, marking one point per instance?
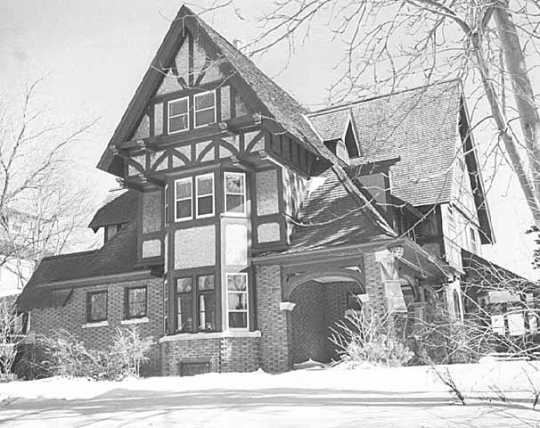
(223, 354)
(273, 323)
(72, 317)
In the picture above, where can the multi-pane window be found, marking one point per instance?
(237, 300)
(135, 302)
(178, 117)
(235, 192)
(205, 108)
(206, 303)
(183, 192)
(197, 303)
(184, 304)
(205, 195)
(96, 306)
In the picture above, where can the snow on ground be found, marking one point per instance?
(335, 397)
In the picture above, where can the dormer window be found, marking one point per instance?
(205, 108)
(178, 118)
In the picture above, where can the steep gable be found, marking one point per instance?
(168, 70)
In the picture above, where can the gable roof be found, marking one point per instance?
(117, 256)
(418, 125)
(276, 105)
(122, 209)
(333, 216)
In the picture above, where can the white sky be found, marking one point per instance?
(94, 53)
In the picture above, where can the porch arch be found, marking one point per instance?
(336, 275)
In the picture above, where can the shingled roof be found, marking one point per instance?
(121, 209)
(118, 255)
(332, 216)
(275, 103)
(418, 125)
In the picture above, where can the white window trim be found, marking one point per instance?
(135, 321)
(213, 213)
(225, 193)
(96, 324)
(169, 132)
(176, 218)
(195, 111)
(227, 301)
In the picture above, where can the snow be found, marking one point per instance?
(314, 397)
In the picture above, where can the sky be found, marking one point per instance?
(92, 55)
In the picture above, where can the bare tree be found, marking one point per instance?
(40, 205)
(392, 43)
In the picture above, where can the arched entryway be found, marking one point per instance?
(320, 301)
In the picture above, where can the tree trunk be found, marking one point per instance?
(529, 118)
(509, 142)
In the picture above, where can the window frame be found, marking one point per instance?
(195, 294)
(195, 111)
(176, 199)
(227, 310)
(127, 315)
(169, 117)
(225, 193)
(89, 295)
(213, 213)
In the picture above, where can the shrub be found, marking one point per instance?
(366, 337)
(70, 357)
(33, 359)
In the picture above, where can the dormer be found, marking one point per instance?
(338, 132)
(115, 214)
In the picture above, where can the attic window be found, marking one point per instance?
(351, 143)
(178, 118)
(205, 108)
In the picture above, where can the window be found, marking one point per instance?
(110, 231)
(182, 198)
(204, 309)
(96, 306)
(235, 193)
(205, 195)
(178, 118)
(237, 300)
(135, 302)
(206, 303)
(205, 108)
(184, 304)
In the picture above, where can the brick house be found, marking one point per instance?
(248, 224)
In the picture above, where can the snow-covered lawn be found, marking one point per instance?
(336, 397)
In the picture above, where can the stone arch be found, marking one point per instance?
(297, 280)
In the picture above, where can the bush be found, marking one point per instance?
(366, 337)
(70, 357)
(33, 360)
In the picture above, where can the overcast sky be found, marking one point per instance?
(94, 53)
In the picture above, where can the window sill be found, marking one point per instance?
(96, 324)
(135, 321)
(216, 335)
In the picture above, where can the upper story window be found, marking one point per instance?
(205, 195)
(474, 245)
(205, 108)
(96, 306)
(183, 192)
(235, 193)
(178, 115)
(135, 302)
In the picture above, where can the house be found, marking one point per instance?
(249, 225)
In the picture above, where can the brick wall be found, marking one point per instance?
(225, 354)
(272, 322)
(72, 317)
(374, 284)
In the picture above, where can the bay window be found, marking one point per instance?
(183, 199)
(205, 195)
(178, 115)
(237, 300)
(205, 108)
(196, 306)
(235, 193)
